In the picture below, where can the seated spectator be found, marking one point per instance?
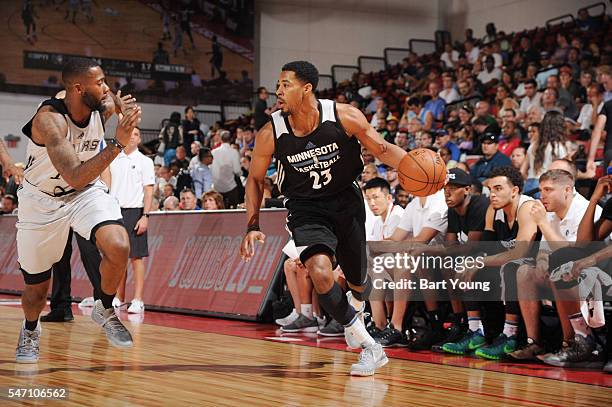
(402, 198)
(491, 75)
(588, 115)
(564, 99)
(471, 52)
(195, 149)
(212, 200)
(443, 140)
(189, 201)
(483, 110)
(434, 108)
(424, 139)
(170, 138)
(547, 69)
(412, 110)
(491, 159)
(369, 171)
(9, 205)
(449, 57)
(511, 139)
(449, 94)
(167, 192)
(532, 97)
(171, 204)
(550, 101)
(604, 77)
(401, 140)
(518, 157)
(466, 90)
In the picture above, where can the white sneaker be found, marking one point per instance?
(117, 303)
(321, 321)
(137, 307)
(288, 319)
(87, 302)
(371, 358)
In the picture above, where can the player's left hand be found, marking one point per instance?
(15, 171)
(578, 266)
(123, 103)
(538, 212)
(141, 225)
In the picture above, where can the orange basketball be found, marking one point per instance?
(422, 172)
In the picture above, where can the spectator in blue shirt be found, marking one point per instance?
(443, 140)
(435, 106)
(492, 158)
(201, 174)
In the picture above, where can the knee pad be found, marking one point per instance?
(32, 279)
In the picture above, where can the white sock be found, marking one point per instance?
(579, 324)
(306, 310)
(358, 305)
(359, 331)
(510, 328)
(475, 324)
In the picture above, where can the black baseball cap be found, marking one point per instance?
(489, 135)
(457, 176)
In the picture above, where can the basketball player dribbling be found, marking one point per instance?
(316, 144)
(62, 190)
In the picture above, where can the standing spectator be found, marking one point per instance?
(186, 23)
(73, 6)
(160, 56)
(171, 138)
(261, 112)
(132, 180)
(178, 37)
(195, 148)
(225, 169)
(201, 174)
(191, 128)
(28, 16)
(165, 24)
(216, 59)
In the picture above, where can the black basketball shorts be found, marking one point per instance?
(139, 245)
(335, 226)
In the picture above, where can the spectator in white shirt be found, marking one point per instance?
(471, 52)
(448, 93)
(588, 116)
(490, 75)
(225, 169)
(532, 97)
(131, 182)
(195, 149)
(380, 201)
(450, 56)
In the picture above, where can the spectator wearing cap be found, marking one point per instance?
(546, 70)
(443, 140)
(491, 159)
(448, 93)
(532, 97)
(392, 124)
(434, 108)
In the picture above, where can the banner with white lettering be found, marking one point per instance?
(193, 264)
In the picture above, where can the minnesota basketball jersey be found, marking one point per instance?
(322, 163)
(505, 234)
(40, 172)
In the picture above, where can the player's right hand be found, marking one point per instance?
(16, 172)
(247, 247)
(126, 125)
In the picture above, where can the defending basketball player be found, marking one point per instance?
(61, 190)
(317, 147)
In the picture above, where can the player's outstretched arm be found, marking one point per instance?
(355, 124)
(260, 161)
(49, 128)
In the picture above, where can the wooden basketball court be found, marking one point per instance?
(182, 360)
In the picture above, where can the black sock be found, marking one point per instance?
(434, 319)
(31, 325)
(107, 300)
(335, 303)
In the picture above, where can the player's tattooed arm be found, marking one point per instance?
(50, 129)
(356, 125)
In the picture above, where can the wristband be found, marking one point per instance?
(146, 215)
(253, 228)
(116, 143)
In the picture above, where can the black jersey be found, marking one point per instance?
(505, 234)
(320, 164)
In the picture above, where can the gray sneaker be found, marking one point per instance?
(116, 333)
(28, 346)
(370, 359)
(332, 329)
(301, 324)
